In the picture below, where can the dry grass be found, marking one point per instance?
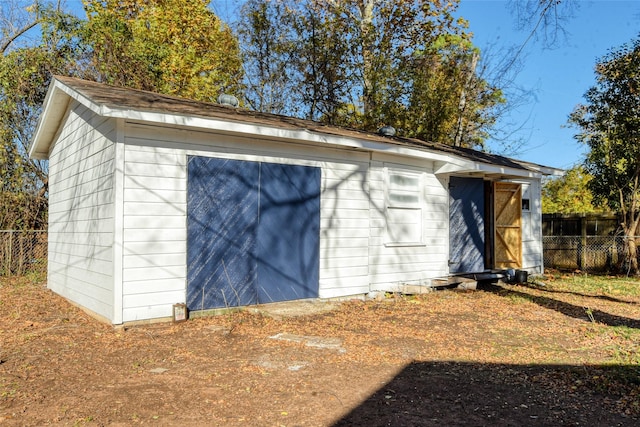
(568, 351)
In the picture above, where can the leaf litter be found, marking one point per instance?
(501, 355)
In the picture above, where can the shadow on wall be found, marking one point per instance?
(477, 394)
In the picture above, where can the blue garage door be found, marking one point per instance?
(466, 225)
(253, 232)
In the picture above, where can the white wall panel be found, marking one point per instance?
(532, 223)
(396, 264)
(81, 211)
(155, 193)
(154, 235)
(123, 207)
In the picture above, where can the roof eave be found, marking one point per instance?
(547, 170)
(60, 95)
(54, 108)
(475, 168)
(445, 163)
(276, 133)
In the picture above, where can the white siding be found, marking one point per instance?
(532, 228)
(81, 211)
(118, 208)
(154, 231)
(344, 229)
(155, 197)
(393, 265)
(354, 257)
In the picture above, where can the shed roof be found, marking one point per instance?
(139, 105)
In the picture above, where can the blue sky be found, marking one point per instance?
(560, 76)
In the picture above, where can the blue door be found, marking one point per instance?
(466, 225)
(288, 232)
(222, 208)
(252, 232)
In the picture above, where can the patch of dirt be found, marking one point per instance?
(504, 355)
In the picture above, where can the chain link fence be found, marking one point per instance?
(22, 252)
(26, 251)
(585, 253)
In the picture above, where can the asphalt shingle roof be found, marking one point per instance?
(121, 98)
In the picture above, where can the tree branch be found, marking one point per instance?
(547, 7)
(17, 34)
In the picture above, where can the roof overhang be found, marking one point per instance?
(53, 110)
(60, 96)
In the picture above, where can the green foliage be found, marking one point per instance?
(569, 193)
(176, 47)
(449, 103)
(170, 46)
(260, 56)
(364, 64)
(25, 73)
(293, 53)
(609, 124)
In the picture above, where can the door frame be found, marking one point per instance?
(495, 241)
(507, 224)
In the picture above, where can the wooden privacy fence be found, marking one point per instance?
(22, 252)
(579, 224)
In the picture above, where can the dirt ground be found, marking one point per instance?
(500, 356)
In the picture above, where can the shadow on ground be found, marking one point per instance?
(586, 295)
(474, 394)
(565, 308)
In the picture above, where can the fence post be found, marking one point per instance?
(583, 242)
(9, 255)
(30, 252)
(21, 255)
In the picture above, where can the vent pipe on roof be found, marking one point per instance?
(226, 99)
(387, 131)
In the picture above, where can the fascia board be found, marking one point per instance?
(60, 95)
(273, 132)
(489, 169)
(547, 170)
(54, 108)
(449, 163)
(457, 166)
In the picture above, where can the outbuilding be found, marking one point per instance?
(157, 200)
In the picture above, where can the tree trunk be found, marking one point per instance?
(366, 32)
(632, 250)
(630, 229)
(462, 105)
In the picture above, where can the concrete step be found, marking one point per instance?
(454, 282)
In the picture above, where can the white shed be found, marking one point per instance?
(156, 200)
